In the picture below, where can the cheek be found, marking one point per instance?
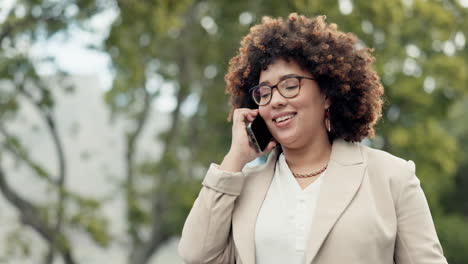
(264, 113)
(311, 114)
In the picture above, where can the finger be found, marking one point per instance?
(239, 115)
(252, 114)
(242, 114)
(247, 110)
(251, 118)
(247, 117)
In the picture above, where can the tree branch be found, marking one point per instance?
(58, 145)
(23, 157)
(29, 215)
(28, 212)
(130, 169)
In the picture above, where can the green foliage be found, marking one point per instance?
(18, 245)
(178, 200)
(453, 235)
(138, 216)
(8, 105)
(14, 145)
(87, 218)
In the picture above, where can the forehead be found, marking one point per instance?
(279, 68)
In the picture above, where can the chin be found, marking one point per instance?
(286, 141)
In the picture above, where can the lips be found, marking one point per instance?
(283, 117)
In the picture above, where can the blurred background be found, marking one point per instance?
(111, 112)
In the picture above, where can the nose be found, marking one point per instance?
(277, 100)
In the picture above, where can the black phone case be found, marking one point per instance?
(259, 134)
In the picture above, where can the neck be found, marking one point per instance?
(309, 157)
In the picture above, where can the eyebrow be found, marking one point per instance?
(281, 78)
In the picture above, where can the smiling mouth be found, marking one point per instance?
(284, 118)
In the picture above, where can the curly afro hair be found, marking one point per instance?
(341, 66)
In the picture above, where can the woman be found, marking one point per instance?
(320, 198)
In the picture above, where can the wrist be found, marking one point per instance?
(232, 162)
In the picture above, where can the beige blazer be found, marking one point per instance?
(371, 209)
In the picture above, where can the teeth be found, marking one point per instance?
(279, 119)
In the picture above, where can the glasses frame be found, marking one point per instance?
(298, 77)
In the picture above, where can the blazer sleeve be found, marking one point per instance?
(416, 241)
(206, 236)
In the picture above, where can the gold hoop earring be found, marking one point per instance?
(327, 120)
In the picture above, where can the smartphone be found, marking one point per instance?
(259, 134)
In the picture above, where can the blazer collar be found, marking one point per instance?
(346, 153)
(344, 176)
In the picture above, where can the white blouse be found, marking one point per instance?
(285, 218)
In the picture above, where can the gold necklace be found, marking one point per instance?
(311, 174)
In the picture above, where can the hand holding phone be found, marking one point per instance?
(259, 134)
(242, 151)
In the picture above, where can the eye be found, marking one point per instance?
(292, 87)
(264, 91)
(289, 84)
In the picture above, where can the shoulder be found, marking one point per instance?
(387, 168)
(383, 161)
(348, 153)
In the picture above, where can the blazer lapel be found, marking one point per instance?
(248, 206)
(340, 184)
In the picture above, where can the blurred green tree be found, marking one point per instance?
(26, 23)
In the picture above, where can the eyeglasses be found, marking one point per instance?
(288, 86)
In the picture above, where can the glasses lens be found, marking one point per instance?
(289, 87)
(261, 95)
